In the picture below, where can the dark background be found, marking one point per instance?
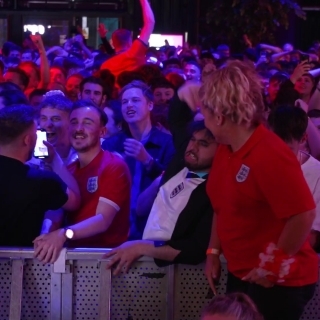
(172, 16)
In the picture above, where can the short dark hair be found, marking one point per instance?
(94, 80)
(37, 92)
(126, 77)
(279, 77)
(90, 104)
(14, 121)
(115, 106)
(161, 82)
(9, 86)
(149, 71)
(8, 47)
(63, 70)
(57, 101)
(23, 77)
(29, 51)
(121, 37)
(289, 123)
(194, 63)
(314, 113)
(32, 65)
(196, 126)
(146, 91)
(13, 97)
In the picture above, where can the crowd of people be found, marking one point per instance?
(179, 154)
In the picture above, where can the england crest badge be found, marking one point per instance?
(177, 190)
(92, 184)
(243, 173)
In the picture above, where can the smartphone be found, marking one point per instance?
(40, 150)
(304, 57)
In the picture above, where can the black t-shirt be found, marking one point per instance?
(25, 195)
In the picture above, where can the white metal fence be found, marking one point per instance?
(78, 286)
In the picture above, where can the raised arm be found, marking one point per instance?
(103, 36)
(148, 21)
(44, 63)
(277, 56)
(269, 47)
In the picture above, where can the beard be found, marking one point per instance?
(85, 147)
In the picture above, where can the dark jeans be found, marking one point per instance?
(276, 303)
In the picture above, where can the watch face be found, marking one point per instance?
(69, 233)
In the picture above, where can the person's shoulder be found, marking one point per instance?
(114, 142)
(112, 165)
(312, 164)
(271, 145)
(112, 160)
(43, 175)
(160, 136)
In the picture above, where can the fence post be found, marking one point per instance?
(16, 289)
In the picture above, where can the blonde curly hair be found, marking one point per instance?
(235, 90)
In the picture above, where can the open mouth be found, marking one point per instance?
(131, 113)
(50, 135)
(191, 156)
(79, 136)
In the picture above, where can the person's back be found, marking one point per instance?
(25, 193)
(128, 57)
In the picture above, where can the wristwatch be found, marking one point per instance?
(69, 233)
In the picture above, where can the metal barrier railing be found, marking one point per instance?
(78, 286)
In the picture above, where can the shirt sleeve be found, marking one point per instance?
(281, 181)
(194, 245)
(116, 184)
(53, 191)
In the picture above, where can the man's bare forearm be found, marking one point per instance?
(148, 21)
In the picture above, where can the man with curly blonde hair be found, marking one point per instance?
(264, 208)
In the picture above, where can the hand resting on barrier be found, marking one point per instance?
(125, 255)
(47, 247)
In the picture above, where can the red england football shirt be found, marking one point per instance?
(105, 178)
(253, 192)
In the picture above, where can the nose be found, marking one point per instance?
(47, 124)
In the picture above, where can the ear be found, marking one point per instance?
(304, 138)
(119, 125)
(79, 96)
(150, 106)
(220, 119)
(104, 98)
(26, 141)
(103, 132)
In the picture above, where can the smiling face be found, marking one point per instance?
(135, 107)
(200, 151)
(85, 129)
(192, 72)
(56, 123)
(304, 85)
